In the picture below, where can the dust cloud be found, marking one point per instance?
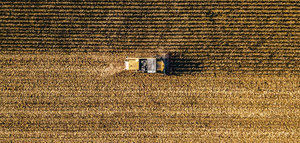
(112, 69)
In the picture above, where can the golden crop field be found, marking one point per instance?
(235, 69)
(73, 97)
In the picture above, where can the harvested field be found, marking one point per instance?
(64, 97)
(234, 78)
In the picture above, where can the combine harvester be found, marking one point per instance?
(157, 64)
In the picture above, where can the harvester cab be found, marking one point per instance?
(157, 64)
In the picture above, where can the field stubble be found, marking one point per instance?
(87, 96)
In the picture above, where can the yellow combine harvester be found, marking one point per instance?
(158, 64)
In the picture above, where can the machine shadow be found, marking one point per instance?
(182, 63)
